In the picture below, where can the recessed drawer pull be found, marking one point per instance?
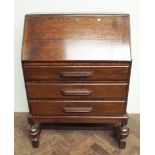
(77, 109)
(76, 74)
(81, 92)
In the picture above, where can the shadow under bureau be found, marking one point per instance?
(76, 70)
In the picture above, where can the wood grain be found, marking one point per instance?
(76, 142)
(76, 73)
(98, 90)
(101, 108)
(82, 59)
(76, 37)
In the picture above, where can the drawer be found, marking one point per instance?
(76, 90)
(73, 73)
(61, 108)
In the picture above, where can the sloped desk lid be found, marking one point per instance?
(76, 37)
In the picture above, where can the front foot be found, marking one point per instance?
(122, 132)
(34, 132)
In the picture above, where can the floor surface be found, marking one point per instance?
(75, 142)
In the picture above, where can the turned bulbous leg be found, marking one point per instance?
(34, 132)
(122, 132)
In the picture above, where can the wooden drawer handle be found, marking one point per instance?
(77, 109)
(76, 74)
(83, 92)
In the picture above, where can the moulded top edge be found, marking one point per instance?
(78, 14)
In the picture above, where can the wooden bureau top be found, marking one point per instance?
(76, 37)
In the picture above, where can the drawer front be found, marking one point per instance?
(74, 73)
(61, 108)
(76, 90)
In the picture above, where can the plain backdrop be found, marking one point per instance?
(23, 7)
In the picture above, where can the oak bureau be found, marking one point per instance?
(77, 70)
